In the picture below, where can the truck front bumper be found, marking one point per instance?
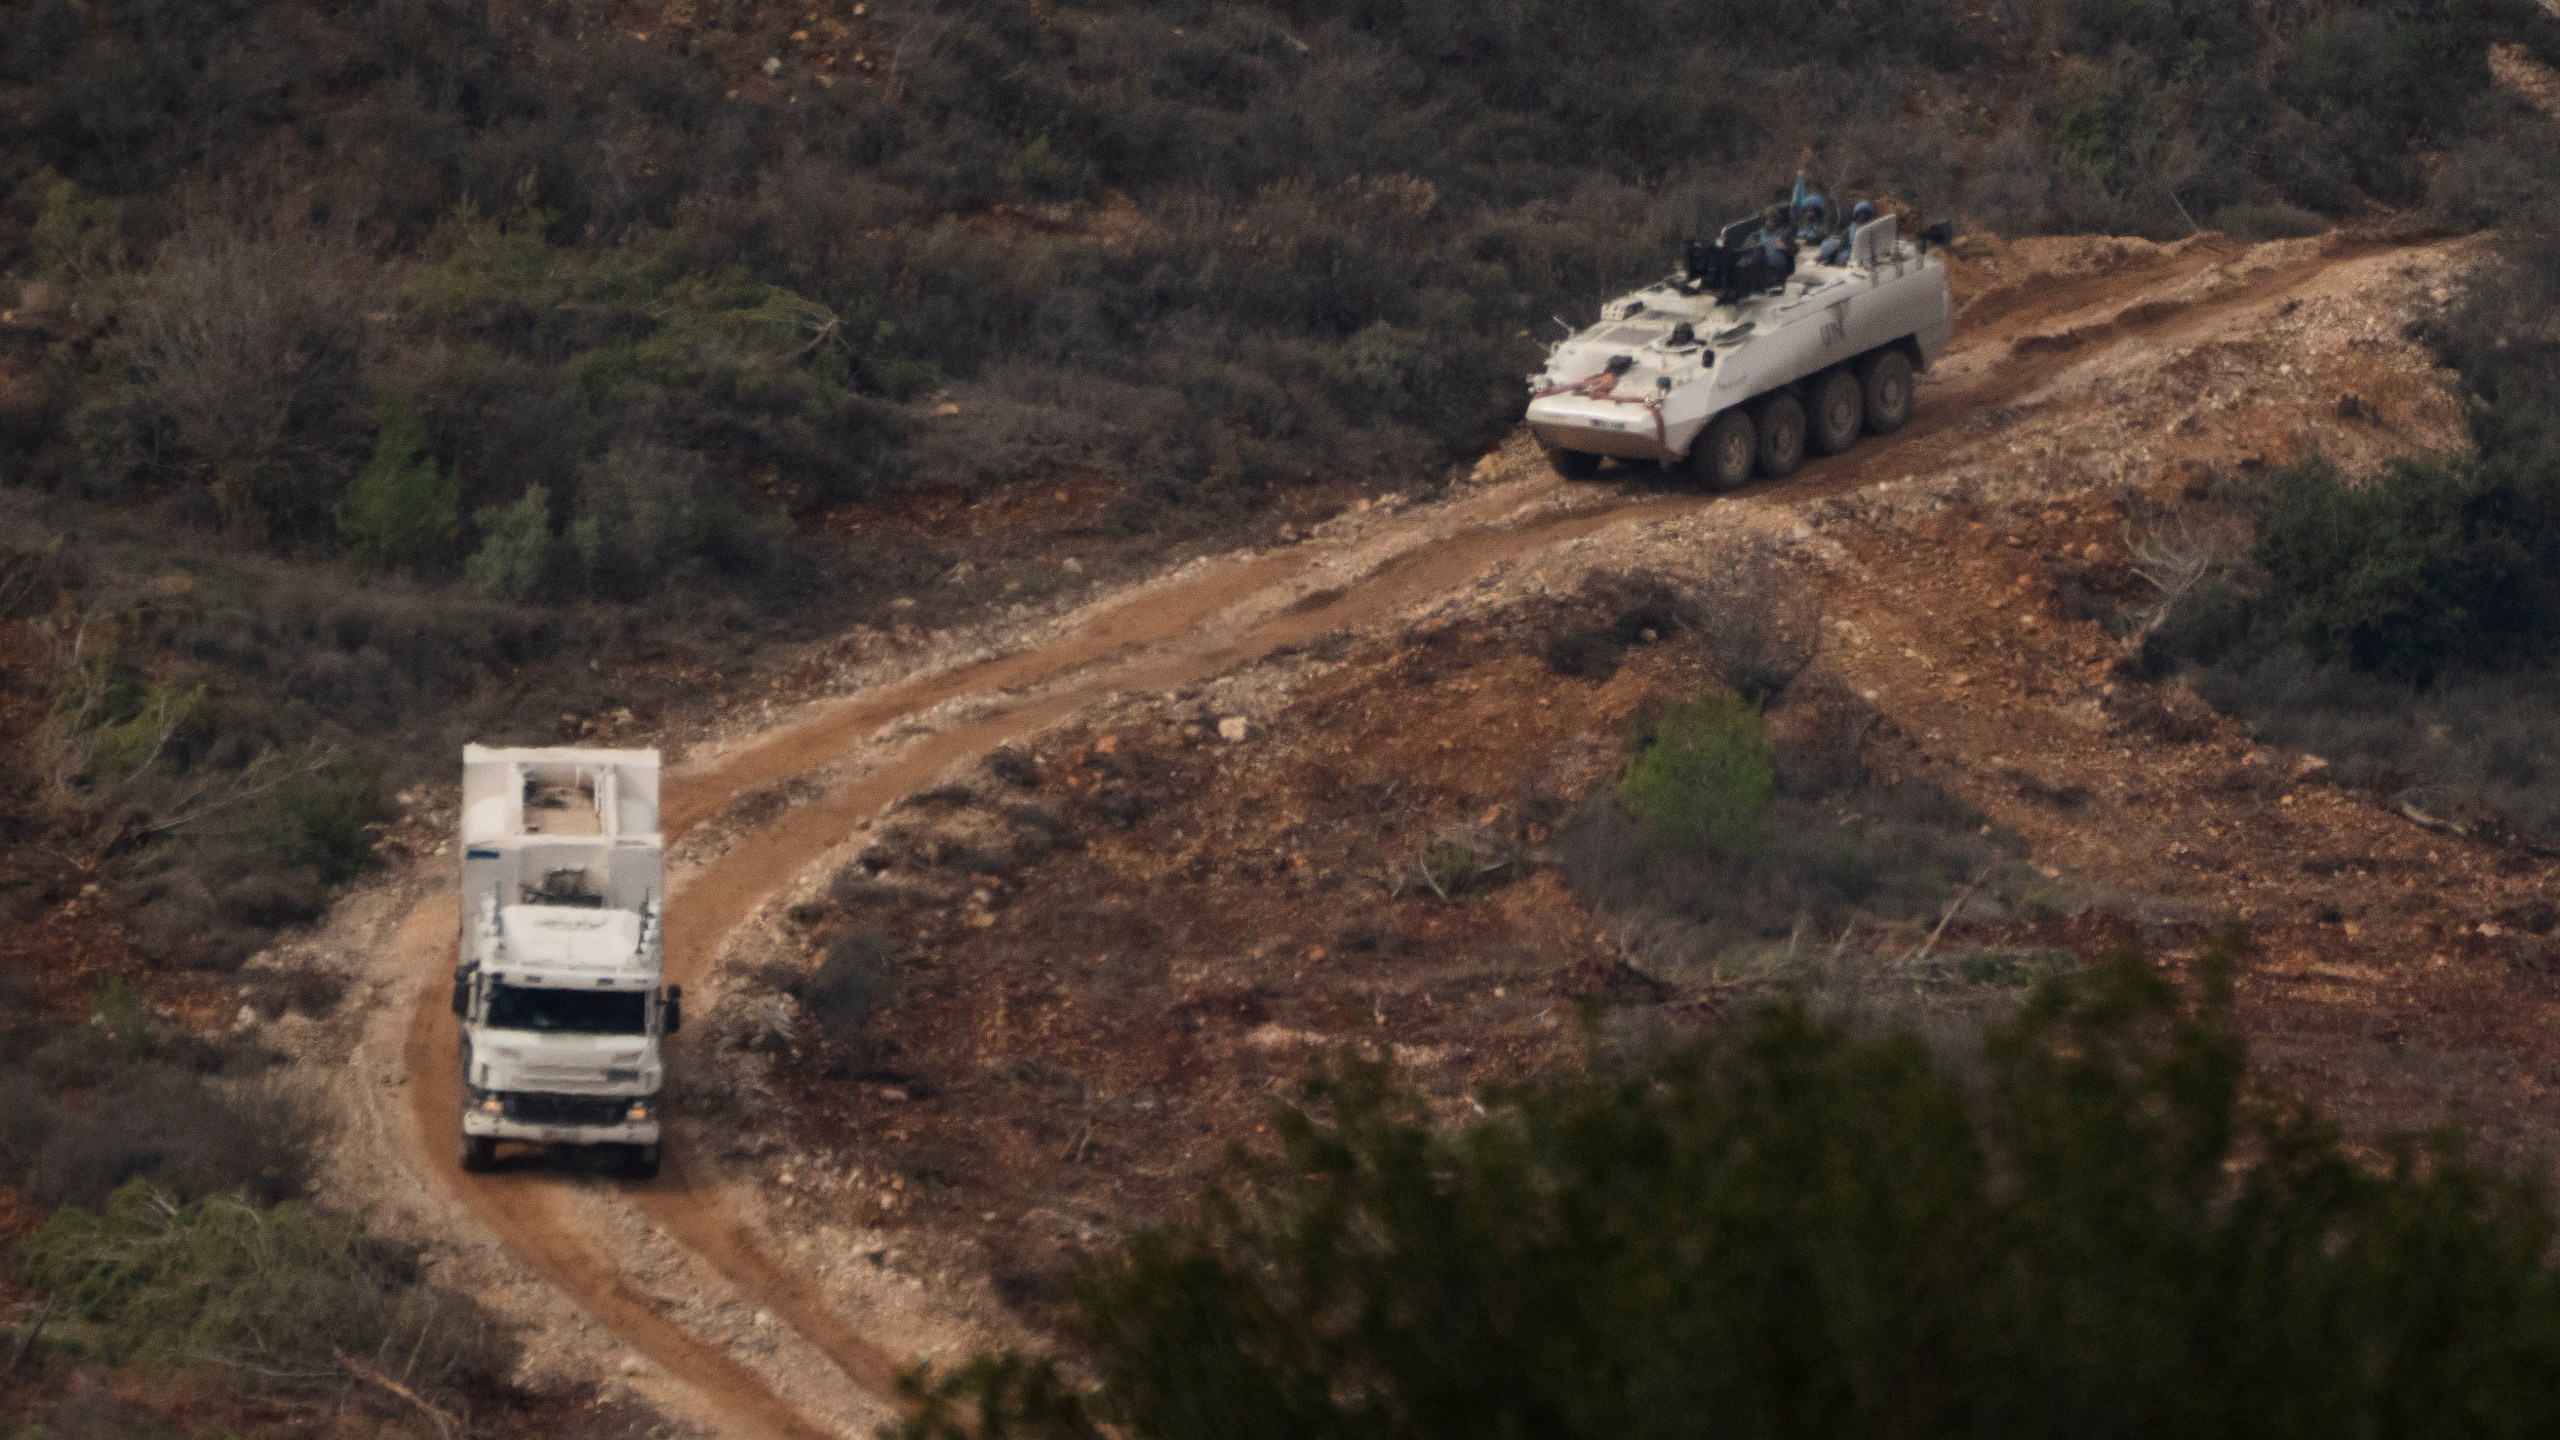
(557, 1119)
(500, 1127)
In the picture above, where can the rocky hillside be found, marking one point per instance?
(1115, 400)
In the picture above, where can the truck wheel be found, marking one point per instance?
(1839, 412)
(1887, 381)
(1722, 456)
(1781, 436)
(1572, 464)
(640, 1162)
(478, 1154)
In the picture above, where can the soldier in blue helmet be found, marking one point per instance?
(1838, 249)
(1777, 244)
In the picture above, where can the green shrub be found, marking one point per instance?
(78, 235)
(644, 511)
(2500, 180)
(2271, 220)
(166, 716)
(400, 507)
(1789, 1229)
(516, 555)
(2084, 131)
(676, 318)
(1690, 913)
(856, 976)
(119, 722)
(2388, 84)
(87, 1113)
(317, 812)
(285, 1293)
(1704, 778)
(1450, 867)
(2423, 566)
(1034, 166)
(2403, 626)
(120, 1014)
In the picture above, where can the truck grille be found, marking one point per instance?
(569, 1076)
(539, 1108)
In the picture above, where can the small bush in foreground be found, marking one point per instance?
(1842, 849)
(1705, 778)
(1788, 1229)
(85, 1112)
(294, 1296)
(853, 979)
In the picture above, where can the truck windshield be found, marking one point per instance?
(569, 1012)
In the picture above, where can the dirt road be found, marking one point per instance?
(866, 752)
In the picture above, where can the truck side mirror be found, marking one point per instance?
(675, 1008)
(461, 995)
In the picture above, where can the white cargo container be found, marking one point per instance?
(558, 983)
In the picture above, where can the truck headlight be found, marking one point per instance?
(489, 1105)
(639, 1110)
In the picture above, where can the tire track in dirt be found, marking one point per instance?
(1157, 638)
(2035, 343)
(523, 1211)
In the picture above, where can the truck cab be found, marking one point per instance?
(559, 981)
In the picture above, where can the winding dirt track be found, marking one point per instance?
(1227, 614)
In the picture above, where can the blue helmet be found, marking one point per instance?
(1862, 211)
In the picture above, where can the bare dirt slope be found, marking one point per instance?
(745, 1298)
(1114, 949)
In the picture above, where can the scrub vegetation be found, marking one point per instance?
(270, 238)
(184, 1236)
(2096, 1226)
(380, 373)
(2406, 627)
(358, 356)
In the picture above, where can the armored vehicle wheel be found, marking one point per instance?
(1887, 379)
(1781, 436)
(478, 1153)
(1572, 464)
(640, 1162)
(1839, 412)
(1722, 457)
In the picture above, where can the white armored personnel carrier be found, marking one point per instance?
(563, 939)
(1747, 356)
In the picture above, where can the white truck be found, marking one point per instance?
(559, 982)
(1742, 360)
